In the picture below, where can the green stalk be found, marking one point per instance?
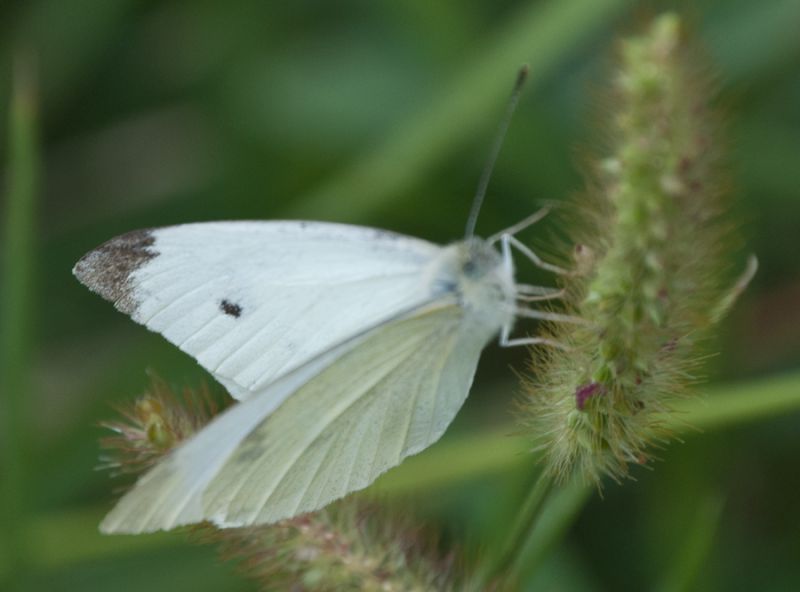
(696, 546)
(504, 567)
(734, 404)
(15, 314)
(563, 507)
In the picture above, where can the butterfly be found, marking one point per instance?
(348, 349)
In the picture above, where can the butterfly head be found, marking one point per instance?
(482, 279)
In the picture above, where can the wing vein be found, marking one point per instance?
(316, 436)
(301, 497)
(178, 300)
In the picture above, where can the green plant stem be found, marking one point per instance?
(505, 565)
(562, 508)
(15, 315)
(729, 405)
(696, 546)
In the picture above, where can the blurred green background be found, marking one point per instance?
(154, 113)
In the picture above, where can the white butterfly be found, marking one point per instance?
(349, 349)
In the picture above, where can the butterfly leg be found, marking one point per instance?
(526, 293)
(509, 240)
(531, 290)
(542, 315)
(505, 332)
(521, 225)
(506, 342)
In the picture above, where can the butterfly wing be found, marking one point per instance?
(252, 301)
(354, 412)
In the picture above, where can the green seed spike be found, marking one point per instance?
(648, 281)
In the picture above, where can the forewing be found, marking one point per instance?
(252, 301)
(347, 420)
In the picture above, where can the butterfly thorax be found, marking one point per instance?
(482, 281)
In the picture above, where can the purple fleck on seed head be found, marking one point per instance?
(670, 345)
(587, 391)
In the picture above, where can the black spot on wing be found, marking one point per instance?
(107, 269)
(230, 308)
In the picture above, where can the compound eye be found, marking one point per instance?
(470, 267)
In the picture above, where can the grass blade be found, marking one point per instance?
(15, 310)
(696, 546)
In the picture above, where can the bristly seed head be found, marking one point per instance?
(153, 425)
(585, 392)
(647, 262)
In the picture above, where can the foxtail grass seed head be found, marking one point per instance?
(152, 425)
(344, 547)
(648, 263)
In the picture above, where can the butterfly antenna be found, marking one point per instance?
(483, 183)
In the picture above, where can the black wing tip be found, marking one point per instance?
(107, 269)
